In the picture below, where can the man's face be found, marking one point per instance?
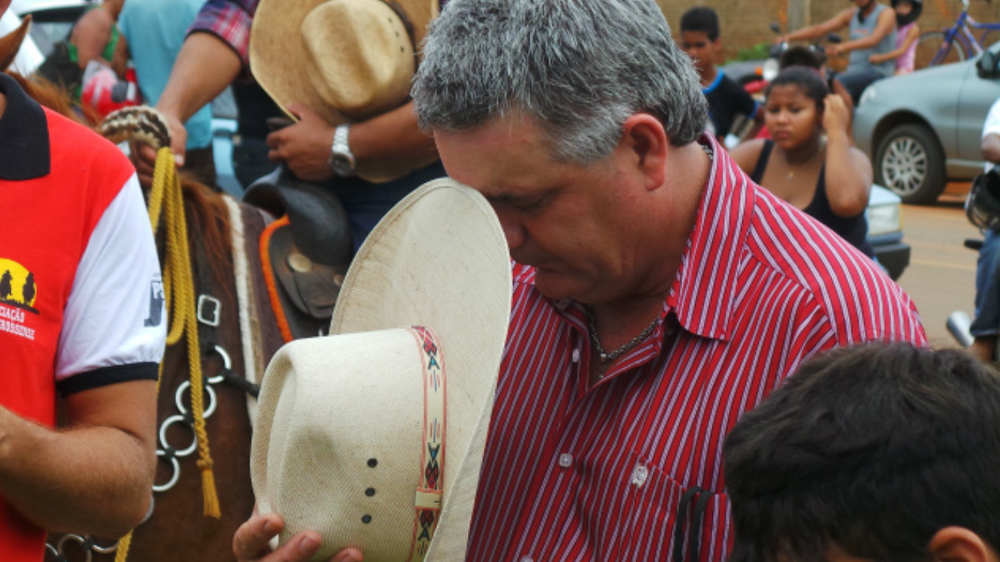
(700, 48)
(571, 222)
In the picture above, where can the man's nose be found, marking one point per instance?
(513, 231)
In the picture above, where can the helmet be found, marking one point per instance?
(982, 205)
(104, 92)
(911, 17)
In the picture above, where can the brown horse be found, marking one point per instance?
(242, 312)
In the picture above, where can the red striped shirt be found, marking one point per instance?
(578, 473)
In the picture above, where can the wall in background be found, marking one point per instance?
(746, 22)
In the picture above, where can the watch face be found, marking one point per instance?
(342, 165)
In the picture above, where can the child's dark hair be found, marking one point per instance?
(812, 84)
(800, 55)
(701, 18)
(872, 449)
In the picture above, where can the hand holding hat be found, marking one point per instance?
(252, 539)
(346, 60)
(294, 144)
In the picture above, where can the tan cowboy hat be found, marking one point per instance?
(374, 435)
(347, 60)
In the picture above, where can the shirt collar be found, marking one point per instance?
(24, 135)
(715, 82)
(704, 290)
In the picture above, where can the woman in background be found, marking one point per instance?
(811, 163)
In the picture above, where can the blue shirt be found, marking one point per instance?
(155, 31)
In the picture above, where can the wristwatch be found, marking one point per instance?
(341, 159)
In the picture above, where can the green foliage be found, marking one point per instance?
(756, 52)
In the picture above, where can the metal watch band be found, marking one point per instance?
(341, 158)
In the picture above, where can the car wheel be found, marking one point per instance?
(910, 162)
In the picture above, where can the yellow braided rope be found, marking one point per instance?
(121, 555)
(178, 285)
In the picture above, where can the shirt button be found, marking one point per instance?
(526, 559)
(639, 475)
(565, 460)
(576, 355)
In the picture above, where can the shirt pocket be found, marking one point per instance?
(661, 514)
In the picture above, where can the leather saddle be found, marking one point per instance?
(305, 253)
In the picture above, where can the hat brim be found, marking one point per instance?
(439, 258)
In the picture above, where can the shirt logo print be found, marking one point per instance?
(18, 294)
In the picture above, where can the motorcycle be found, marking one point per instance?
(982, 207)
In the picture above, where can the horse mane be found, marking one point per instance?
(203, 205)
(54, 97)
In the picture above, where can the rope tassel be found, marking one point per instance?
(208, 493)
(178, 284)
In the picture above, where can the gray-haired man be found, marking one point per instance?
(658, 293)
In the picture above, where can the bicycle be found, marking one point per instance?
(955, 43)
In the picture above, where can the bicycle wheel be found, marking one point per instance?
(928, 46)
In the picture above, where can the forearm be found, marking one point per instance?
(369, 139)
(90, 35)
(808, 32)
(864, 43)
(205, 66)
(894, 54)
(87, 479)
(847, 183)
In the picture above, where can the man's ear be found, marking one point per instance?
(958, 544)
(645, 145)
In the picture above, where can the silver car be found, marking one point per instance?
(922, 130)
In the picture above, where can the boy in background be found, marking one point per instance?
(873, 452)
(726, 98)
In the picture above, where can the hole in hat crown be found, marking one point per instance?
(372, 463)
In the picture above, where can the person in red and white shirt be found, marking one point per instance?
(658, 293)
(82, 316)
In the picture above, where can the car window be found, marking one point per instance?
(50, 26)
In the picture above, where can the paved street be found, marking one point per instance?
(941, 276)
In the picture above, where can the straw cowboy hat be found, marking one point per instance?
(374, 435)
(347, 60)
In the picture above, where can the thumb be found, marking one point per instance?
(348, 555)
(178, 146)
(300, 111)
